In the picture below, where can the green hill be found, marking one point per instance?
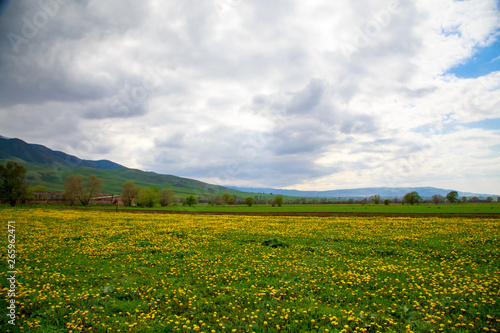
(33, 153)
(50, 168)
(113, 180)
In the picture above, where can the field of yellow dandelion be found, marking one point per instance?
(88, 271)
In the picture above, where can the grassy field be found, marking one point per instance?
(354, 208)
(93, 271)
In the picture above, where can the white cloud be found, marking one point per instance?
(312, 95)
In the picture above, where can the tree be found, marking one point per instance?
(278, 200)
(452, 197)
(93, 188)
(375, 199)
(412, 198)
(28, 193)
(129, 193)
(166, 197)
(387, 202)
(148, 197)
(12, 182)
(249, 201)
(436, 198)
(73, 187)
(226, 197)
(191, 200)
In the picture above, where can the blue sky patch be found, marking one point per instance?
(483, 62)
(487, 124)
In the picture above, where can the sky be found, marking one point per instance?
(307, 95)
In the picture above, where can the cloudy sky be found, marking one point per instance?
(311, 95)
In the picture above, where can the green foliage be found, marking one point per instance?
(129, 192)
(166, 197)
(412, 198)
(191, 200)
(148, 197)
(375, 199)
(12, 182)
(452, 197)
(249, 201)
(28, 194)
(278, 200)
(387, 202)
(227, 198)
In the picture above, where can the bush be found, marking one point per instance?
(412, 198)
(191, 200)
(249, 201)
(148, 197)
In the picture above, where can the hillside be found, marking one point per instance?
(38, 154)
(50, 168)
(113, 180)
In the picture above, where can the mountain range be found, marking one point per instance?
(33, 153)
(360, 193)
(49, 168)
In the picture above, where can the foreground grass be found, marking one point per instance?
(108, 272)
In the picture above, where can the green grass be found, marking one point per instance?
(104, 272)
(354, 208)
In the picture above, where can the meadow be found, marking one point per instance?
(95, 271)
(476, 208)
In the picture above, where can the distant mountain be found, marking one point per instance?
(33, 153)
(359, 193)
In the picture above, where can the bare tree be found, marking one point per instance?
(93, 188)
(167, 197)
(436, 198)
(73, 187)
